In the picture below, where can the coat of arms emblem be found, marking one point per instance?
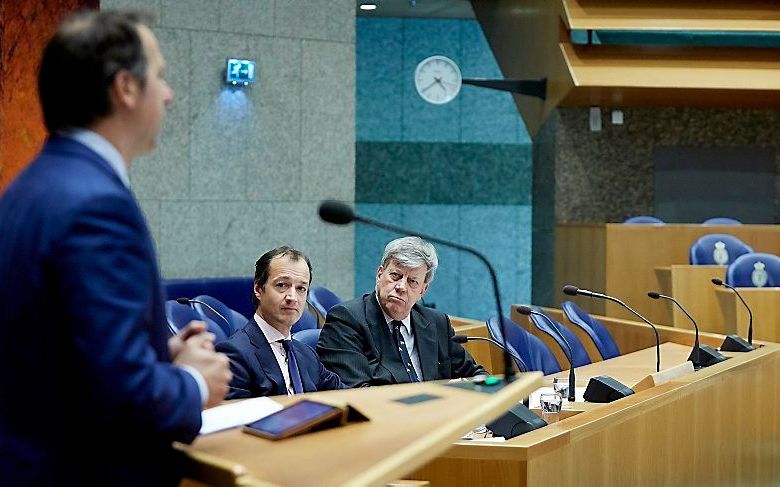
(720, 255)
(759, 276)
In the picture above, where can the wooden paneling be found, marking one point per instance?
(763, 302)
(580, 257)
(670, 15)
(691, 286)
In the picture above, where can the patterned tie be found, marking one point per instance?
(292, 366)
(405, 358)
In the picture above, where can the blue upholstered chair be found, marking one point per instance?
(644, 220)
(233, 321)
(754, 270)
(178, 315)
(307, 321)
(533, 355)
(308, 336)
(235, 292)
(322, 299)
(717, 249)
(579, 355)
(592, 328)
(721, 220)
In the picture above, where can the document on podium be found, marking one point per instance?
(236, 414)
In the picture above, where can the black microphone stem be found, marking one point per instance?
(750, 313)
(696, 346)
(657, 340)
(572, 379)
(509, 372)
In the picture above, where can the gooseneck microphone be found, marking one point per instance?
(461, 339)
(574, 291)
(525, 310)
(190, 301)
(340, 213)
(735, 343)
(712, 356)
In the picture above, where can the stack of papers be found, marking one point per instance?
(237, 414)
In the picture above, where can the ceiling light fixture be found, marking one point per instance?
(367, 6)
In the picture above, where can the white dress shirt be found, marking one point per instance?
(275, 338)
(406, 332)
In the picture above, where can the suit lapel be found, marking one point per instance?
(389, 356)
(425, 340)
(265, 357)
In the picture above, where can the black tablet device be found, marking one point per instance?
(294, 419)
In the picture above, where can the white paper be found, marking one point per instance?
(236, 414)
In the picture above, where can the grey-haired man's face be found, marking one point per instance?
(399, 287)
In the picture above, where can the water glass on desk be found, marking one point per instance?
(551, 406)
(561, 386)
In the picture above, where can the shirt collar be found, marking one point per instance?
(406, 321)
(103, 148)
(271, 333)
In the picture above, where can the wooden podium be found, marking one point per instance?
(716, 426)
(763, 302)
(692, 286)
(620, 260)
(409, 425)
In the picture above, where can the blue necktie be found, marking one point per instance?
(292, 366)
(405, 358)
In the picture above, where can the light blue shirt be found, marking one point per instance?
(107, 151)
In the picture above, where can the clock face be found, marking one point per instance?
(437, 79)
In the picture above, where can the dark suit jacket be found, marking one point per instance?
(356, 343)
(256, 371)
(84, 354)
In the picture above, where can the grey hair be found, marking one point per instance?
(412, 252)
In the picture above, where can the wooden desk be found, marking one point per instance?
(620, 260)
(717, 426)
(765, 304)
(692, 286)
(399, 438)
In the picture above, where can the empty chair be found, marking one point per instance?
(308, 336)
(178, 315)
(307, 321)
(721, 220)
(322, 299)
(754, 270)
(644, 220)
(593, 329)
(534, 356)
(717, 249)
(233, 320)
(548, 336)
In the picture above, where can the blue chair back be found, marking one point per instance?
(235, 292)
(178, 315)
(580, 356)
(233, 321)
(534, 356)
(322, 299)
(721, 220)
(754, 270)
(307, 321)
(593, 327)
(644, 220)
(717, 249)
(309, 336)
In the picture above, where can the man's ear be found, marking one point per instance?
(258, 291)
(125, 90)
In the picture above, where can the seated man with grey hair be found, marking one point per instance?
(384, 337)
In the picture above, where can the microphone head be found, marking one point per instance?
(717, 282)
(336, 212)
(570, 290)
(524, 310)
(460, 338)
(182, 300)
(654, 295)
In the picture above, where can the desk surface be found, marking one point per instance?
(398, 438)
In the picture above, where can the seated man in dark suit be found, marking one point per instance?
(384, 337)
(263, 358)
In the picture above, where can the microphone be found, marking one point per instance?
(525, 310)
(203, 303)
(574, 290)
(463, 339)
(735, 343)
(713, 356)
(339, 213)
